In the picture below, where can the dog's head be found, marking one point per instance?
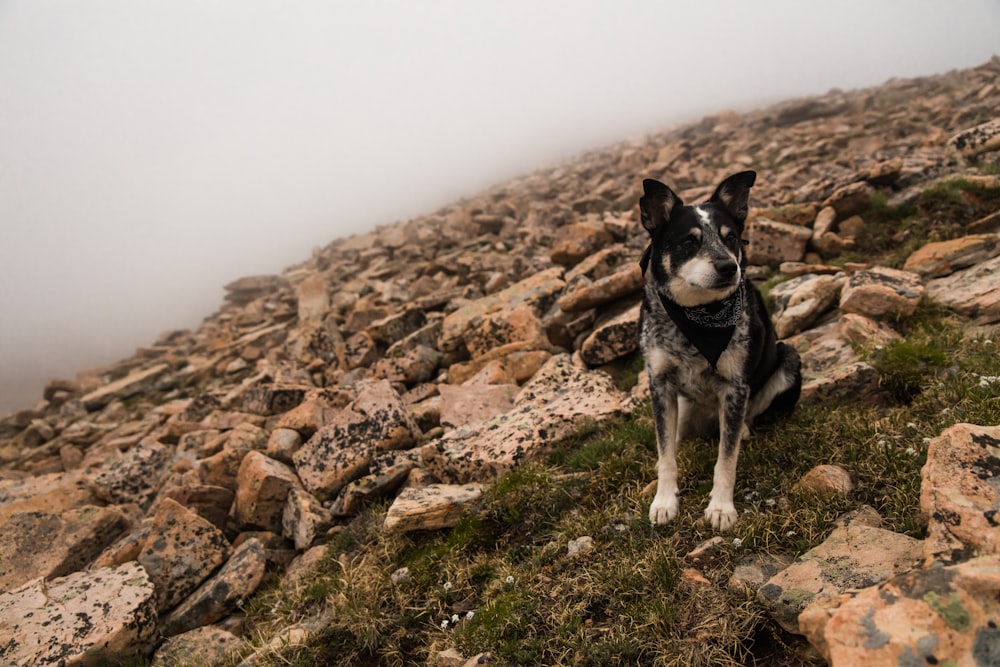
(696, 252)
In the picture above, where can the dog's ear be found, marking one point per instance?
(656, 204)
(734, 194)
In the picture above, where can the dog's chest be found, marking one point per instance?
(672, 358)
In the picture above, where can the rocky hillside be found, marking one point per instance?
(397, 374)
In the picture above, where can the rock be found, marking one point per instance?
(130, 385)
(474, 402)
(249, 288)
(607, 289)
(938, 616)
(865, 332)
(400, 576)
(430, 507)
(42, 544)
(960, 493)
(537, 291)
(882, 293)
(754, 570)
(84, 618)
(210, 502)
(304, 518)
(858, 381)
(850, 199)
(518, 365)
(826, 481)
(415, 364)
(707, 550)
(579, 545)
(262, 487)
(133, 478)
(313, 298)
(208, 645)
(397, 326)
(518, 328)
(274, 399)
(550, 408)
(371, 487)
(853, 556)
(935, 260)
(576, 241)
(802, 301)
(181, 551)
(342, 450)
(772, 242)
(219, 595)
(982, 138)
(973, 292)
(282, 444)
(221, 469)
(612, 338)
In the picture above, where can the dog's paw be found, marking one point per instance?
(662, 509)
(722, 516)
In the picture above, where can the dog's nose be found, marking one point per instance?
(726, 267)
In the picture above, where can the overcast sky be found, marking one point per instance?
(152, 151)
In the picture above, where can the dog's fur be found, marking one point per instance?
(696, 258)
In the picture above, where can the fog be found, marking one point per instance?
(151, 152)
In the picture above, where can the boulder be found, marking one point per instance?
(85, 618)
(855, 555)
(587, 295)
(262, 487)
(551, 407)
(938, 616)
(219, 595)
(133, 478)
(772, 242)
(802, 301)
(135, 382)
(612, 338)
(960, 493)
(518, 326)
(42, 544)
(430, 507)
(826, 481)
(865, 332)
(576, 241)
(474, 402)
(982, 138)
(313, 298)
(304, 518)
(935, 260)
(882, 293)
(850, 199)
(182, 549)
(972, 292)
(208, 645)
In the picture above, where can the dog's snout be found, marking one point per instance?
(726, 267)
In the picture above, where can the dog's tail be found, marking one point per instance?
(778, 397)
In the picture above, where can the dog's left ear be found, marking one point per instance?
(734, 194)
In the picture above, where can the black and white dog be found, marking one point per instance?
(708, 342)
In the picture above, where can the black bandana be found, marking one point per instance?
(710, 327)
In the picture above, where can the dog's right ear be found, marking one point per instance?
(656, 204)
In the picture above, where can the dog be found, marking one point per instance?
(710, 349)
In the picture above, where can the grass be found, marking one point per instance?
(502, 580)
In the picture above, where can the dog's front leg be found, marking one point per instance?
(721, 512)
(664, 505)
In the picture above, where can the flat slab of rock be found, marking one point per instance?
(235, 581)
(40, 544)
(960, 492)
(773, 242)
(130, 385)
(430, 507)
(973, 292)
(938, 616)
(882, 293)
(133, 477)
(182, 549)
(80, 619)
(474, 402)
(262, 486)
(551, 407)
(853, 556)
(945, 257)
(604, 290)
(979, 139)
(208, 645)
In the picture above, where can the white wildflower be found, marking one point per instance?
(927, 441)
(455, 618)
(447, 585)
(469, 615)
(444, 624)
(770, 502)
(988, 341)
(910, 451)
(790, 533)
(509, 580)
(911, 424)
(737, 542)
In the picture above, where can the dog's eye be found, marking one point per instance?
(690, 240)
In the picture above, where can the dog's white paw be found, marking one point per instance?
(722, 516)
(662, 509)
